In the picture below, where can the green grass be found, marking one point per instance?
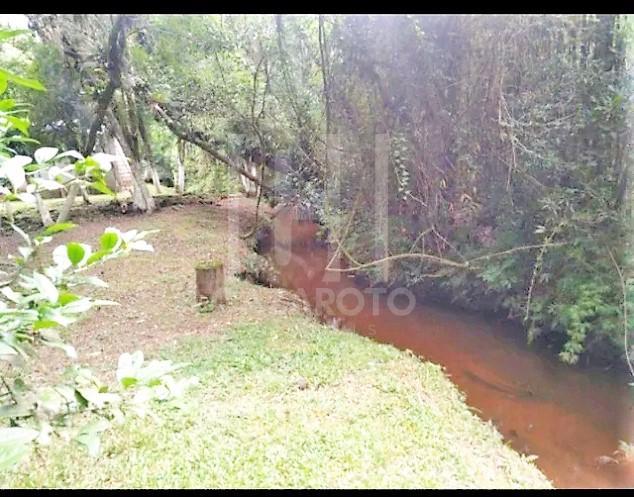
(290, 403)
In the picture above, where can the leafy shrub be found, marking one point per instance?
(36, 302)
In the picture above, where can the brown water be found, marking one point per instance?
(571, 419)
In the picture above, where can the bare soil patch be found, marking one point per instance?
(156, 291)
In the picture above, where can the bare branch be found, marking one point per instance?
(195, 139)
(467, 264)
(115, 55)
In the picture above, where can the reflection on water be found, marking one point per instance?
(570, 419)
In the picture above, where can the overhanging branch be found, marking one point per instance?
(195, 138)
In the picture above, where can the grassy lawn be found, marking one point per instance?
(291, 403)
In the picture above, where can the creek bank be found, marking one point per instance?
(573, 419)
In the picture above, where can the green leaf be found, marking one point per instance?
(3, 85)
(67, 298)
(46, 287)
(45, 154)
(80, 167)
(100, 186)
(75, 253)
(21, 124)
(14, 445)
(58, 228)
(8, 103)
(21, 233)
(77, 307)
(141, 245)
(19, 80)
(99, 397)
(5, 34)
(95, 281)
(19, 386)
(100, 254)
(128, 381)
(19, 410)
(68, 349)
(45, 323)
(49, 399)
(21, 139)
(70, 153)
(11, 295)
(6, 349)
(89, 436)
(12, 454)
(81, 400)
(13, 170)
(109, 241)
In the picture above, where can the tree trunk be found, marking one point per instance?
(251, 189)
(210, 282)
(325, 67)
(42, 208)
(140, 194)
(102, 106)
(155, 179)
(8, 212)
(121, 172)
(84, 195)
(147, 145)
(68, 203)
(116, 46)
(180, 161)
(628, 165)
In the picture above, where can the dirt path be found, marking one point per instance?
(156, 291)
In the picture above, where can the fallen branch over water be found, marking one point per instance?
(466, 264)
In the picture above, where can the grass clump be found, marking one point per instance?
(208, 264)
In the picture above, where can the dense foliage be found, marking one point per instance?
(504, 131)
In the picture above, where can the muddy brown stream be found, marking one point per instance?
(571, 419)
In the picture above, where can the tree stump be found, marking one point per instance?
(210, 282)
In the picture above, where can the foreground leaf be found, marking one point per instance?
(90, 436)
(19, 80)
(14, 445)
(58, 228)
